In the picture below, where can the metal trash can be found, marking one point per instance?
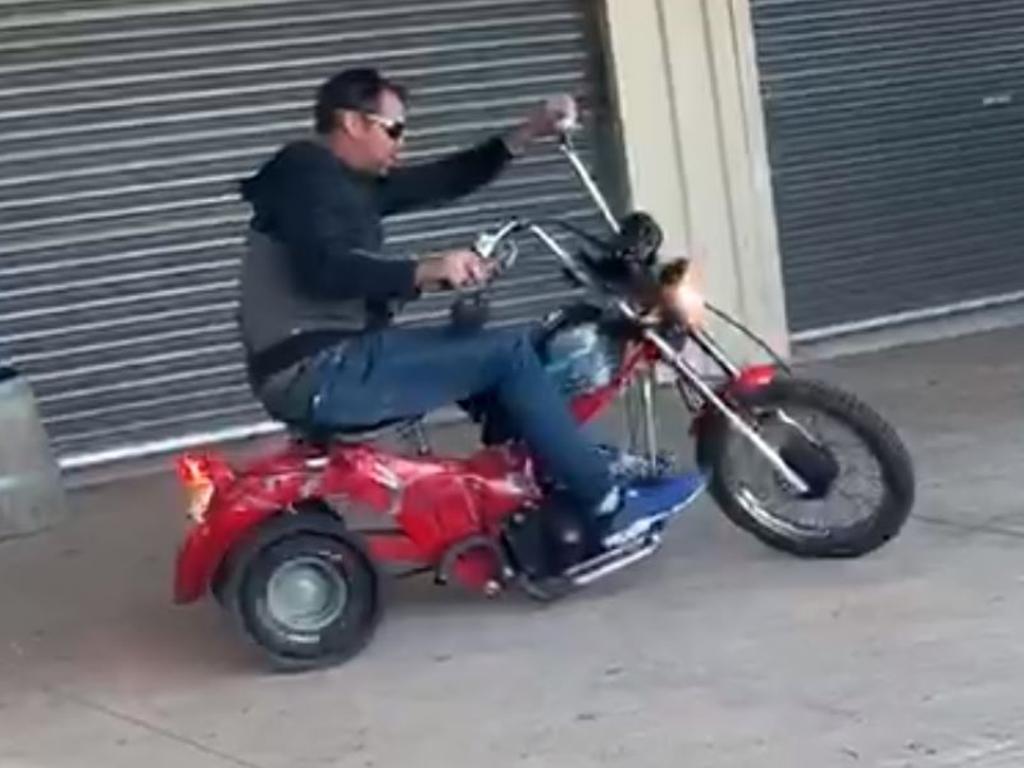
(32, 496)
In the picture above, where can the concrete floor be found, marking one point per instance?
(718, 652)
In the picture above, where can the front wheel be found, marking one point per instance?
(864, 488)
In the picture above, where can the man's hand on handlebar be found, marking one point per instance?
(457, 268)
(548, 118)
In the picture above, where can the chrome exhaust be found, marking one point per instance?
(612, 561)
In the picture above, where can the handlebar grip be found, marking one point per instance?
(567, 125)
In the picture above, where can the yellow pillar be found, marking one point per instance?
(686, 89)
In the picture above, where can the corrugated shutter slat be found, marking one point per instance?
(125, 126)
(896, 132)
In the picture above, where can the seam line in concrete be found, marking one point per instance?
(147, 726)
(982, 528)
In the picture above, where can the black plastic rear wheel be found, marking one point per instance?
(303, 589)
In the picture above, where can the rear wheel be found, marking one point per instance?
(303, 589)
(863, 478)
(309, 600)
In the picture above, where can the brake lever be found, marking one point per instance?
(485, 245)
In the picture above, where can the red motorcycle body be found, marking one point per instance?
(413, 510)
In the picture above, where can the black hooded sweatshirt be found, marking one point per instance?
(314, 270)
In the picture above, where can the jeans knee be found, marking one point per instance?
(518, 346)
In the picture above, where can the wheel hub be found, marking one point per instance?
(306, 594)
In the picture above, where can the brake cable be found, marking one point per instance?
(737, 325)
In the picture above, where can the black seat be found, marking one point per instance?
(320, 435)
(299, 429)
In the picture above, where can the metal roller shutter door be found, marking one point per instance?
(896, 133)
(124, 127)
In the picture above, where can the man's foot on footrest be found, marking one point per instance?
(626, 467)
(647, 504)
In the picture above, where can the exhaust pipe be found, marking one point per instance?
(612, 561)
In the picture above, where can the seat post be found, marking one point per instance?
(415, 434)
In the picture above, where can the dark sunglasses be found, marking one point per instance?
(395, 129)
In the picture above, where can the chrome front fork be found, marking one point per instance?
(641, 416)
(674, 358)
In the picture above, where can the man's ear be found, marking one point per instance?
(348, 121)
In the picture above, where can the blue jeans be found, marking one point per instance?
(398, 373)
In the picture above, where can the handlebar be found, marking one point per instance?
(565, 144)
(498, 245)
(488, 243)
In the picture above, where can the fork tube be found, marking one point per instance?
(647, 404)
(632, 413)
(677, 361)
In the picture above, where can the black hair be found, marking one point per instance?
(356, 89)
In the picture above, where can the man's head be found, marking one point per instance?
(362, 117)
